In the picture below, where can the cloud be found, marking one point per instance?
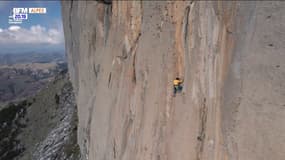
(14, 28)
(34, 35)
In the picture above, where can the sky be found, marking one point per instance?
(39, 33)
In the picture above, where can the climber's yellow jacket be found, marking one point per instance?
(177, 82)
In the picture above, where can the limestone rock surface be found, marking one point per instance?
(123, 56)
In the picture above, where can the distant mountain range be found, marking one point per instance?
(31, 57)
(31, 48)
(23, 75)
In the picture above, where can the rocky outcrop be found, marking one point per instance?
(41, 127)
(60, 143)
(124, 55)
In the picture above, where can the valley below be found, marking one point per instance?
(26, 75)
(38, 113)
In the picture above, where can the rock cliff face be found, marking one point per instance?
(123, 56)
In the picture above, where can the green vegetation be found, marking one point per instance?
(11, 124)
(26, 125)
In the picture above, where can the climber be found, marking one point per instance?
(177, 85)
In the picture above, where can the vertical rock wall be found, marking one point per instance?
(124, 55)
